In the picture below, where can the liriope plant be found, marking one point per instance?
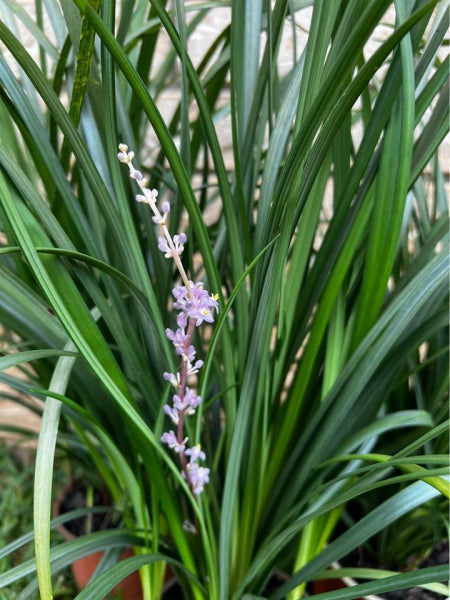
(305, 187)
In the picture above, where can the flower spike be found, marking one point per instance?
(195, 306)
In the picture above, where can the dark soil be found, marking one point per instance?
(439, 555)
(74, 497)
(173, 592)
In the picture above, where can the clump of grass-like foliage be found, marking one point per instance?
(324, 232)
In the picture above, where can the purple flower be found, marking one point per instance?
(135, 174)
(203, 312)
(195, 453)
(180, 291)
(188, 403)
(178, 242)
(177, 248)
(181, 297)
(200, 306)
(170, 439)
(179, 239)
(173, 413)
(198, 477)
(193, 368)
(182, 320)
(160, 219)
(164, 246)
(124, 156)
(172, 378)
(178, 338)
(191, 398)
(190, 353)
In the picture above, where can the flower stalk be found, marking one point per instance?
(195, 306)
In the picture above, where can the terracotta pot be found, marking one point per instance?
(128, 589)
(83, 569)
(328, 585)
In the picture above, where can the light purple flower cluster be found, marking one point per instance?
(195, 303)
(195, 306)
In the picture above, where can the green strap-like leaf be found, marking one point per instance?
(388, 584)
(21, 357)
(100, 586)
(388, 512)
(43, 475)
